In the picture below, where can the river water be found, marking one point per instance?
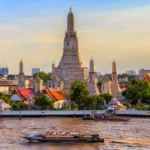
(134, 135)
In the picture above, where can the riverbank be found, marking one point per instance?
(71, 113)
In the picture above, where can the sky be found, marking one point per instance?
(34, 30)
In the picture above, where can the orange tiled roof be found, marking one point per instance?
(146, 77)
(25, 93)
(55, 94)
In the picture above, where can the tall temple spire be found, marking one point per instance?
(70, 67)
(71, 55)
(115, 86)
(21, 67)
(114, 70)
(91, 65)
(92, 80)
(21, 81)
(70, 21)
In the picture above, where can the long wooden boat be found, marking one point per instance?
(111, 118)
(64, 137)
(106, 118)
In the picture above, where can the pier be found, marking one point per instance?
(71, 113)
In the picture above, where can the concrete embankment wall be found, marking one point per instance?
(48, 113)
(135, 113)
(77, 113)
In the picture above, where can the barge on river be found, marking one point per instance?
(108, 116)
(64, 137)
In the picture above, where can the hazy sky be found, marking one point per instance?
(106, 30)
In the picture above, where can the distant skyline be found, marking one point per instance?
(106, 30)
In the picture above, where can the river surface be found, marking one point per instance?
(134, 135)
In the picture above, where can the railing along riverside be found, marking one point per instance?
(71, 113)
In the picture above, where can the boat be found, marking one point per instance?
(109, 115)
(111, 118)
(64, 137)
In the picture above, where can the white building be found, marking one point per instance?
(4, 106)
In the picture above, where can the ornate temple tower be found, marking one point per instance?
(70, 67)
(92, 80)
(114, 86)
(71, 56)
(106, 86)
(91, 72)
(38, 86)
(21, 82)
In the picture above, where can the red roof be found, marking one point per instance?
(124, 86)
(25, 93)
(55, 94)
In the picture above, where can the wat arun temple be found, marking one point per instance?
(71, 67)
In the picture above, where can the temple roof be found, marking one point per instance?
(55, 94)
(25, 93)
(146, 77)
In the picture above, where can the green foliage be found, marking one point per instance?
(127, 105)
(18, 105)
(43, 76)
(43, 102)
(22, 105)
(5, 97)
(14, 106)
(78, 89)
(138, 91)
(140, 106)
(33, 108)
(130, 77)
(72, 106)
(107, 97)
(79, 94)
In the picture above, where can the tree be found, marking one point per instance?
(107, 97)
(130, 77)
(127, 105)
(43, 76)
(5, 97)
(100, 102)
(22, 106)
(139, 90)
(78, 92)
(14, 106)
(43, 102)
